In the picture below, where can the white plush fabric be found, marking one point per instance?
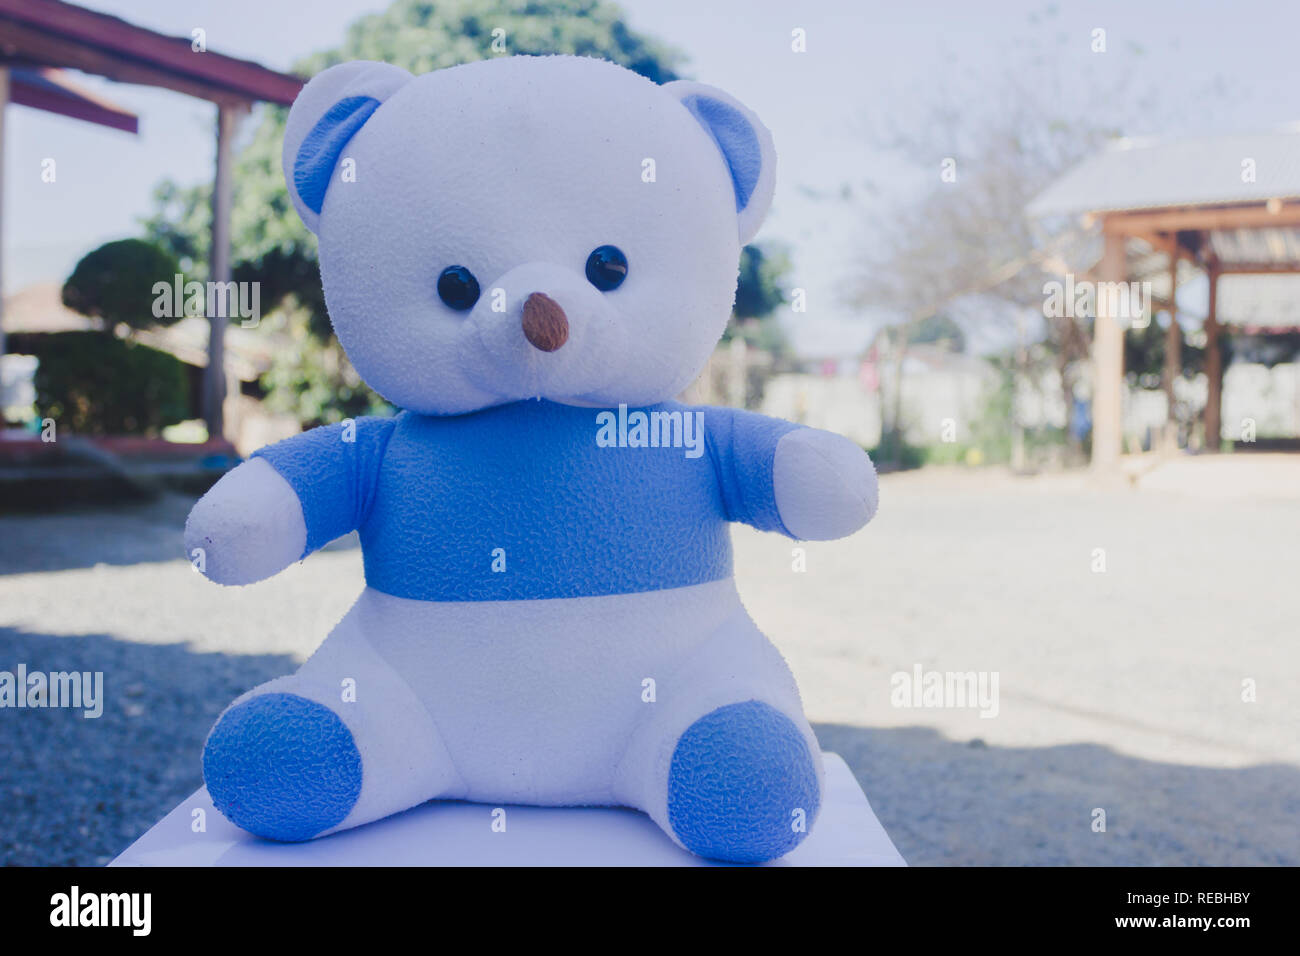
(248, 526)
(517, 169)
(825, 486)
(401, 750)
(538, 702)
(749, 219)
(457, 191)
(358, 78)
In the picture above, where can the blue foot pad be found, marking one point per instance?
(282, 767)
(741, 782)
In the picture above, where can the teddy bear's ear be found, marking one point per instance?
(327, 113)
(745, 145)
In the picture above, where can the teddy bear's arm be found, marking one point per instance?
(777, 476)
(286, 501)
(824, 484)
(248, 526)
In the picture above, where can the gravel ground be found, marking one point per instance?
(1119, 690)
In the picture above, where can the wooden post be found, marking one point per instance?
(214, 377)
(738, 373)
(1108, 361)
(1213, 369)
(1173, 355)
(4, 104)
(1018, 460)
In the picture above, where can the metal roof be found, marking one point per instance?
(1260, 301)
(1251, 300)
(1256, 245)
(1154, 174)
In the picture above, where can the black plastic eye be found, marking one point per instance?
(606, 267)
(458, 288)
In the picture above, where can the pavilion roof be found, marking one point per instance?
(1160, 174)
(56, 34)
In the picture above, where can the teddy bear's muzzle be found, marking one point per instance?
(545, 325)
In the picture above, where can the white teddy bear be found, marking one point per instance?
(532, 256)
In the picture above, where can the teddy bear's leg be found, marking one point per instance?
(726, 763)
(342, 742)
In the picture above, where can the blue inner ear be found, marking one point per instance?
(319, 152)
(735, 138)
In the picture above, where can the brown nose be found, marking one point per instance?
(545, 324)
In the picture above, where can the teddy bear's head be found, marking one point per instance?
(553, 227)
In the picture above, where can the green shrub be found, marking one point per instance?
(953, 453)
(895, 454)
(115, 283)
(95, 384)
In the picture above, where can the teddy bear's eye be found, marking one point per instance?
(458, 288)
(606, 267)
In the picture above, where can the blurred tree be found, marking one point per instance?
(1144, 355)
(994, 144)
(1144, 365)
(100, 382)
(760, 290)
(93, 383)
(313, 380)
(115, 282)
(271, 245)
(938, 329)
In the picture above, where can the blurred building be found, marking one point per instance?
(944, 393)
(38, 310)
(1224, 210)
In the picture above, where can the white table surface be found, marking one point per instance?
(441, 833)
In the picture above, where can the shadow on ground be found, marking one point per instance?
(1035, 806)
(78, 791)
(82, 537)
(125, 533)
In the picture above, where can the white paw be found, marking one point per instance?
(825, 485)
(248, 526)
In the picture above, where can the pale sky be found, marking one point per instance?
(864, 61)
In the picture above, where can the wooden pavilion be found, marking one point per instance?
(1224, 206)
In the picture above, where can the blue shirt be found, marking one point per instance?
(536, 499)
